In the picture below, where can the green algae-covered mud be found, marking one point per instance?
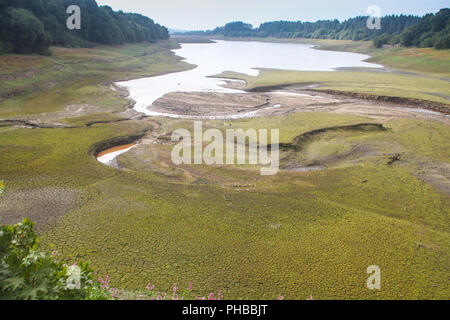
(377, 192)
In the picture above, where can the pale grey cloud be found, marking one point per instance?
(206, 14)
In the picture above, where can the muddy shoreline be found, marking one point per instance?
(191, 105)
(290, 99)
(423, 104)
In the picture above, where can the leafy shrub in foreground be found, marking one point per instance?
(26, 273)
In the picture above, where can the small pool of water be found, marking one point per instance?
(107, 156)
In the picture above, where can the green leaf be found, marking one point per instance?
(30, 294)
(28, 273)
(14, 283)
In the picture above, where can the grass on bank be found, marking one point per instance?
(37, 84)
(372, 83)
(421, 60)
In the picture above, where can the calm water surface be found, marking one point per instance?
(238, 56)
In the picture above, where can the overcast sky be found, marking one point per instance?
(207, 14)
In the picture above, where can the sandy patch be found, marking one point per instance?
(248, 105)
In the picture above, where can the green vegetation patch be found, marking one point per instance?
(79, 76)
(295, 234)
(372, 83)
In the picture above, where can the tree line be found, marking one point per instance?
(432, 30)
(31, 26)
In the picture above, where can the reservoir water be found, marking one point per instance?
(238, 56)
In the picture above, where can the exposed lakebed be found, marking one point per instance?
(239, 56)
(194, 94)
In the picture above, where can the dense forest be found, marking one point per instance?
(432, 30)
(31, 26)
